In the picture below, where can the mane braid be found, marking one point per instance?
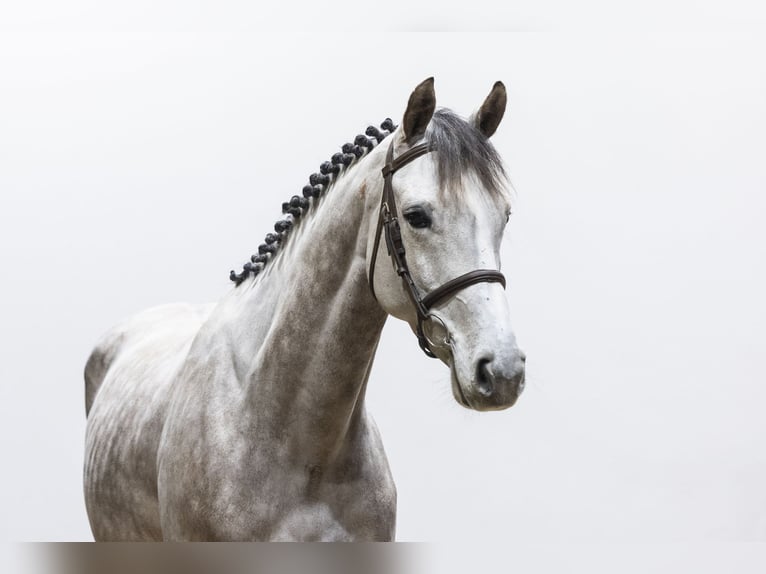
(319, 184)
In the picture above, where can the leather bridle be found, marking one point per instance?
(389, 221)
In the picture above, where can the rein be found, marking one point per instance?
(389, 221)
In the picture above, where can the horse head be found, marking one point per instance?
(443, 209)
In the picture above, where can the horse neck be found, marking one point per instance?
(307, 328)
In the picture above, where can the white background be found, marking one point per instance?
(145, 150)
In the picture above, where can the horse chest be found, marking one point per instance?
(359, 508)
(264, 492)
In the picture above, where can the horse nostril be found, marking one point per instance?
(484, 378)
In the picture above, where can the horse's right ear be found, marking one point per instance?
(420, 109)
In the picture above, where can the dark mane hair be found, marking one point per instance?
(318, 184)
(461, 148)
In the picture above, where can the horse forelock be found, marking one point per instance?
(462, 149)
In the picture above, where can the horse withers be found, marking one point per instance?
(220, 422)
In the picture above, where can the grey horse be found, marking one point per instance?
(246, 419)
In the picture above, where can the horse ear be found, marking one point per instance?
(491, 111)
(420, 109)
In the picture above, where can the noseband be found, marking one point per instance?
(389, 221)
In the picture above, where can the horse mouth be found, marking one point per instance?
(457, 389)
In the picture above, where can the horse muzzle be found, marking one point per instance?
(495, 385)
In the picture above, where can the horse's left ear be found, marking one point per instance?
(491, 111)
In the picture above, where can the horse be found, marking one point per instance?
(246, 419)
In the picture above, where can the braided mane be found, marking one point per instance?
(318, 185)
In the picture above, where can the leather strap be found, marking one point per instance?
(374, 256)
(453, 286)
(413, 153)
(387, 215)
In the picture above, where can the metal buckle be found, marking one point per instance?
(438, 337)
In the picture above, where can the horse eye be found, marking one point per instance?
(418, 219)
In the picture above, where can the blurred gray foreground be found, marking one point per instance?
(220, 558)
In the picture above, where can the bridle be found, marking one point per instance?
(389, 221)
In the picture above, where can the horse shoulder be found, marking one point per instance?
(128, 384)
(172, 321)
